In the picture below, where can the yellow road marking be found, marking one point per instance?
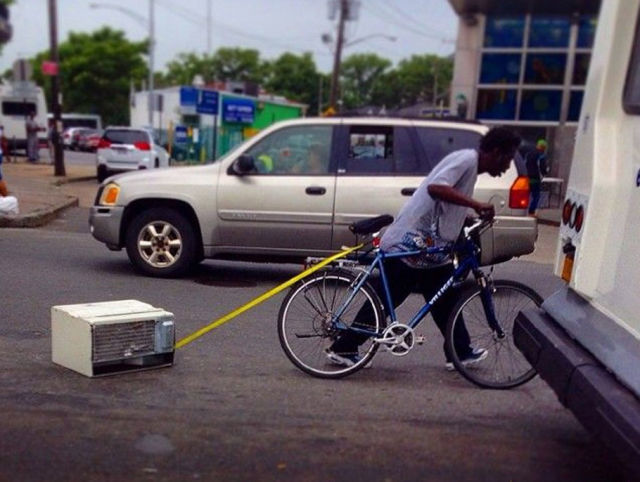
(265, 296)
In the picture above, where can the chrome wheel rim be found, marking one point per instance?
(160, 244)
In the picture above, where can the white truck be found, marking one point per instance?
(585, 339)
(17, 101)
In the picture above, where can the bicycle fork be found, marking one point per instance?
(486, 289)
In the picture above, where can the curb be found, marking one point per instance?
(38, 218)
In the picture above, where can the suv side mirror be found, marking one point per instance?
(243, 165)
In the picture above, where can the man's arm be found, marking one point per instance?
(446, 193)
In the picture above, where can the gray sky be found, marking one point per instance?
(270, 26)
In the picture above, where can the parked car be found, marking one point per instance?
(88, 140)
(257, 203)
(70, 137)
(128, 149)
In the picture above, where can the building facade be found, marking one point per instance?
(524, 63)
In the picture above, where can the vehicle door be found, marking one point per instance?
(282, 206)
(381, 167)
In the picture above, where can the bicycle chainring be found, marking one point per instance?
(398, 339)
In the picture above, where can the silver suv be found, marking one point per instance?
(291, 192)
(126, 149)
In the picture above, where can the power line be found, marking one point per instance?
(396, 10)
(385, 16)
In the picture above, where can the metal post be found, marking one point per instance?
(335, 77)
(151, 103)
(59, 169)
(208, 27)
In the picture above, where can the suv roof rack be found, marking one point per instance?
(392, 115)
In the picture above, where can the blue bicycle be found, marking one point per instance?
(324, 306)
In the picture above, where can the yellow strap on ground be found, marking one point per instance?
(265, 296)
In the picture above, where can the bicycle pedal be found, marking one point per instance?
(420, 339)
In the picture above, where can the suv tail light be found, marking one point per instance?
(142, 146)
(519, 193)
(103, 144)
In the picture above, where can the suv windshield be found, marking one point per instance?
(116, 136)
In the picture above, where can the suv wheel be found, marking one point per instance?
(161, 242)
(102, 173)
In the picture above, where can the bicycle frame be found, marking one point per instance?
(467, 248)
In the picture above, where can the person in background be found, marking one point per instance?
(32, 129)
(3, 185)
(536, 161)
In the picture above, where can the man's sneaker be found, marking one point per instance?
(344, 359)
(474, 358)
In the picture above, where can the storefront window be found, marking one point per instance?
(581, 69)
(500, 68)
(549, 32)
(575, 104)
(496, 104)
(540, 105)
(545, 69)
(504, 31)
(586, 31)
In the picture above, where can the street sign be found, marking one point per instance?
(207, 102)
(238, 110)
(188, 96)
(49, 68)
(180, 135)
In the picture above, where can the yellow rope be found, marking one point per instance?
(265, 296)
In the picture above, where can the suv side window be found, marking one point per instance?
(438, 142)
(294, 150)
(370, 150)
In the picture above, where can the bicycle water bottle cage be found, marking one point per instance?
(371, 225)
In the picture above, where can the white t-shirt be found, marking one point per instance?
(425, 221)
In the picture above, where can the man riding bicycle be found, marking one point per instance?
(434, 216)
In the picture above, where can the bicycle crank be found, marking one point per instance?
(398, 339)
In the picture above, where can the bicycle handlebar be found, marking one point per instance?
(478, 225)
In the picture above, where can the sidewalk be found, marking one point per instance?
(39, 193)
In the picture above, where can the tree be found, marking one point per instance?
(424, 78)
(183, 70)
(359, 75)
(95, 73)
(296, 78)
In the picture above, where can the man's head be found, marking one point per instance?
(497, 148)
(541, 145)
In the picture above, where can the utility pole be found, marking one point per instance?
(335, 77)
(152, 41)
(208, 27)
(59, 169)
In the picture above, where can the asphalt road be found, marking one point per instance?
(233, 407)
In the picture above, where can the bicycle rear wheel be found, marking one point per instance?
(305, 322)
(504, 365)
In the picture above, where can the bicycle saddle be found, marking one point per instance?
(371, 225)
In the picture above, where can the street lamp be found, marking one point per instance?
(145, 23)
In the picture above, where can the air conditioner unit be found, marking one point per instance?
(111, 337)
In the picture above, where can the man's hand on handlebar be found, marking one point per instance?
(486, 211)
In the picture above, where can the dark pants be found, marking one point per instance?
(402, 281)
(534, 189)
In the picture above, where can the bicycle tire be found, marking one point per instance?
(504, 367)
(304, 327)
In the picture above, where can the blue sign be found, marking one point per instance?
(188, 96)
(238, 110)
(207, 102)
(180, 135)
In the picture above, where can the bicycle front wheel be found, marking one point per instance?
(307, 325)
(504, 365)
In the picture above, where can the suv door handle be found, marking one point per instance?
(315, 190)
(408, 191)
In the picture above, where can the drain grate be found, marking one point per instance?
(224, 282)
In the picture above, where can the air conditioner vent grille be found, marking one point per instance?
(123, 340)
